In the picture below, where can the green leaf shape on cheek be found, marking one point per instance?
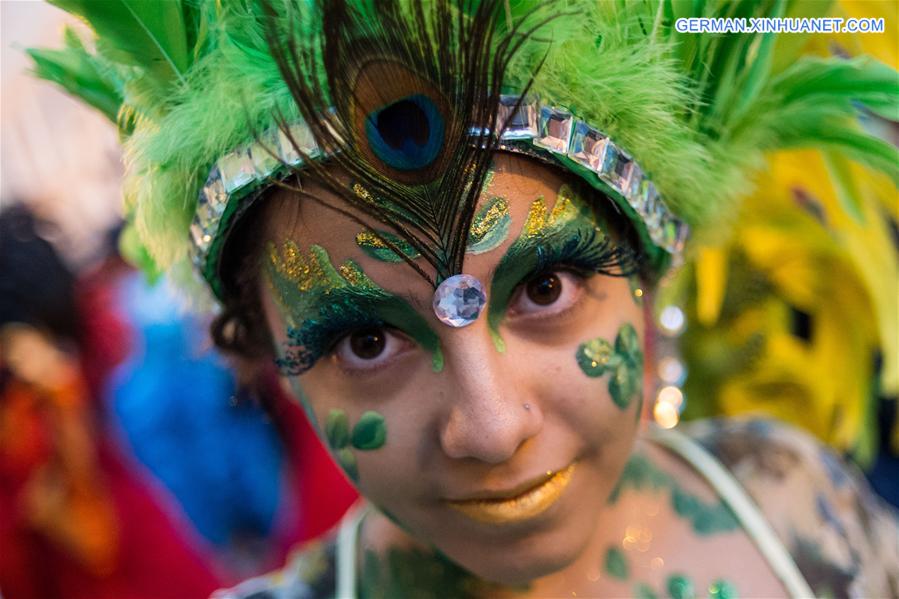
(490, 226)
(370, 432)
(624, 361)
(347, 461)
(597, 357)
(337, 429)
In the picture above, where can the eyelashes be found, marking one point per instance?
(588, 251)
(309, 342)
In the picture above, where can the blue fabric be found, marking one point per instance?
(221, 462)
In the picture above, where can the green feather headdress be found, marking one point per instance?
(191, 81)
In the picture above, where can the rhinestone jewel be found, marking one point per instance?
(521, 123)
(554, 129)
(458, 300)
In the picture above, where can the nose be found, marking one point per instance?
(489, 413)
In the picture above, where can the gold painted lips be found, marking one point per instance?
(506, 510)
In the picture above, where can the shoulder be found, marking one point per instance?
(308, 574)
(844, 539)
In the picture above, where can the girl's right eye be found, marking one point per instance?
(369, 348)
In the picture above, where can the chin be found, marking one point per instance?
(520, 561)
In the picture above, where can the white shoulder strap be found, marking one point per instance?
(744, 508)
(347, 536)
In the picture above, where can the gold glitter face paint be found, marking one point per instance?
(321, 304)
(523, 506)
(374, 246)
(489, 229)
(490, 226)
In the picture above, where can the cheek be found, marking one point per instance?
(375, 443)
(594, 383)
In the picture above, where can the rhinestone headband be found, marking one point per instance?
(535, 128)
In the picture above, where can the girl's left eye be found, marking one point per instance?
(548, 293)
(369, 348)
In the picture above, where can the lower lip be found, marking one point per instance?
(517, 509)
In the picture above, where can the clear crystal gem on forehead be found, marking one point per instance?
(458, 300)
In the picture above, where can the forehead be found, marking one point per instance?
(300, 220)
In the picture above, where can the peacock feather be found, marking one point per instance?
(406, 100)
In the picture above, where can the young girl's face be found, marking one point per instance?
(499, 442)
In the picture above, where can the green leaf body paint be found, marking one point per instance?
(597, 357)
(372, 243)
(680, 587)
(415, 573)
(370, 432)
(616, 564)
(721, 589)
(337, 429)
(320, 303)
(347, 461)
(546, 237)
(644, 591)
(490, 226)
(706, 518)
(624, 361)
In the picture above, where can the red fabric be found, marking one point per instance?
(106, 335)
(325, 493)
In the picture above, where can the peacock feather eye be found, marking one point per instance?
(406, 135)
(401, 123)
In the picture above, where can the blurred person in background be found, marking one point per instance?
(56, 511)
(117, 430)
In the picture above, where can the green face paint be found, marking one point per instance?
(489, 229)
(637, 291)
(706, 517)
(320, 304)
(680, 587)
(624, 361)
(568, 235)
(616, 564)
(368, 434)
(374, 246)
(490, 226)
(416, 573)
(721, 589)
(644, 591)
